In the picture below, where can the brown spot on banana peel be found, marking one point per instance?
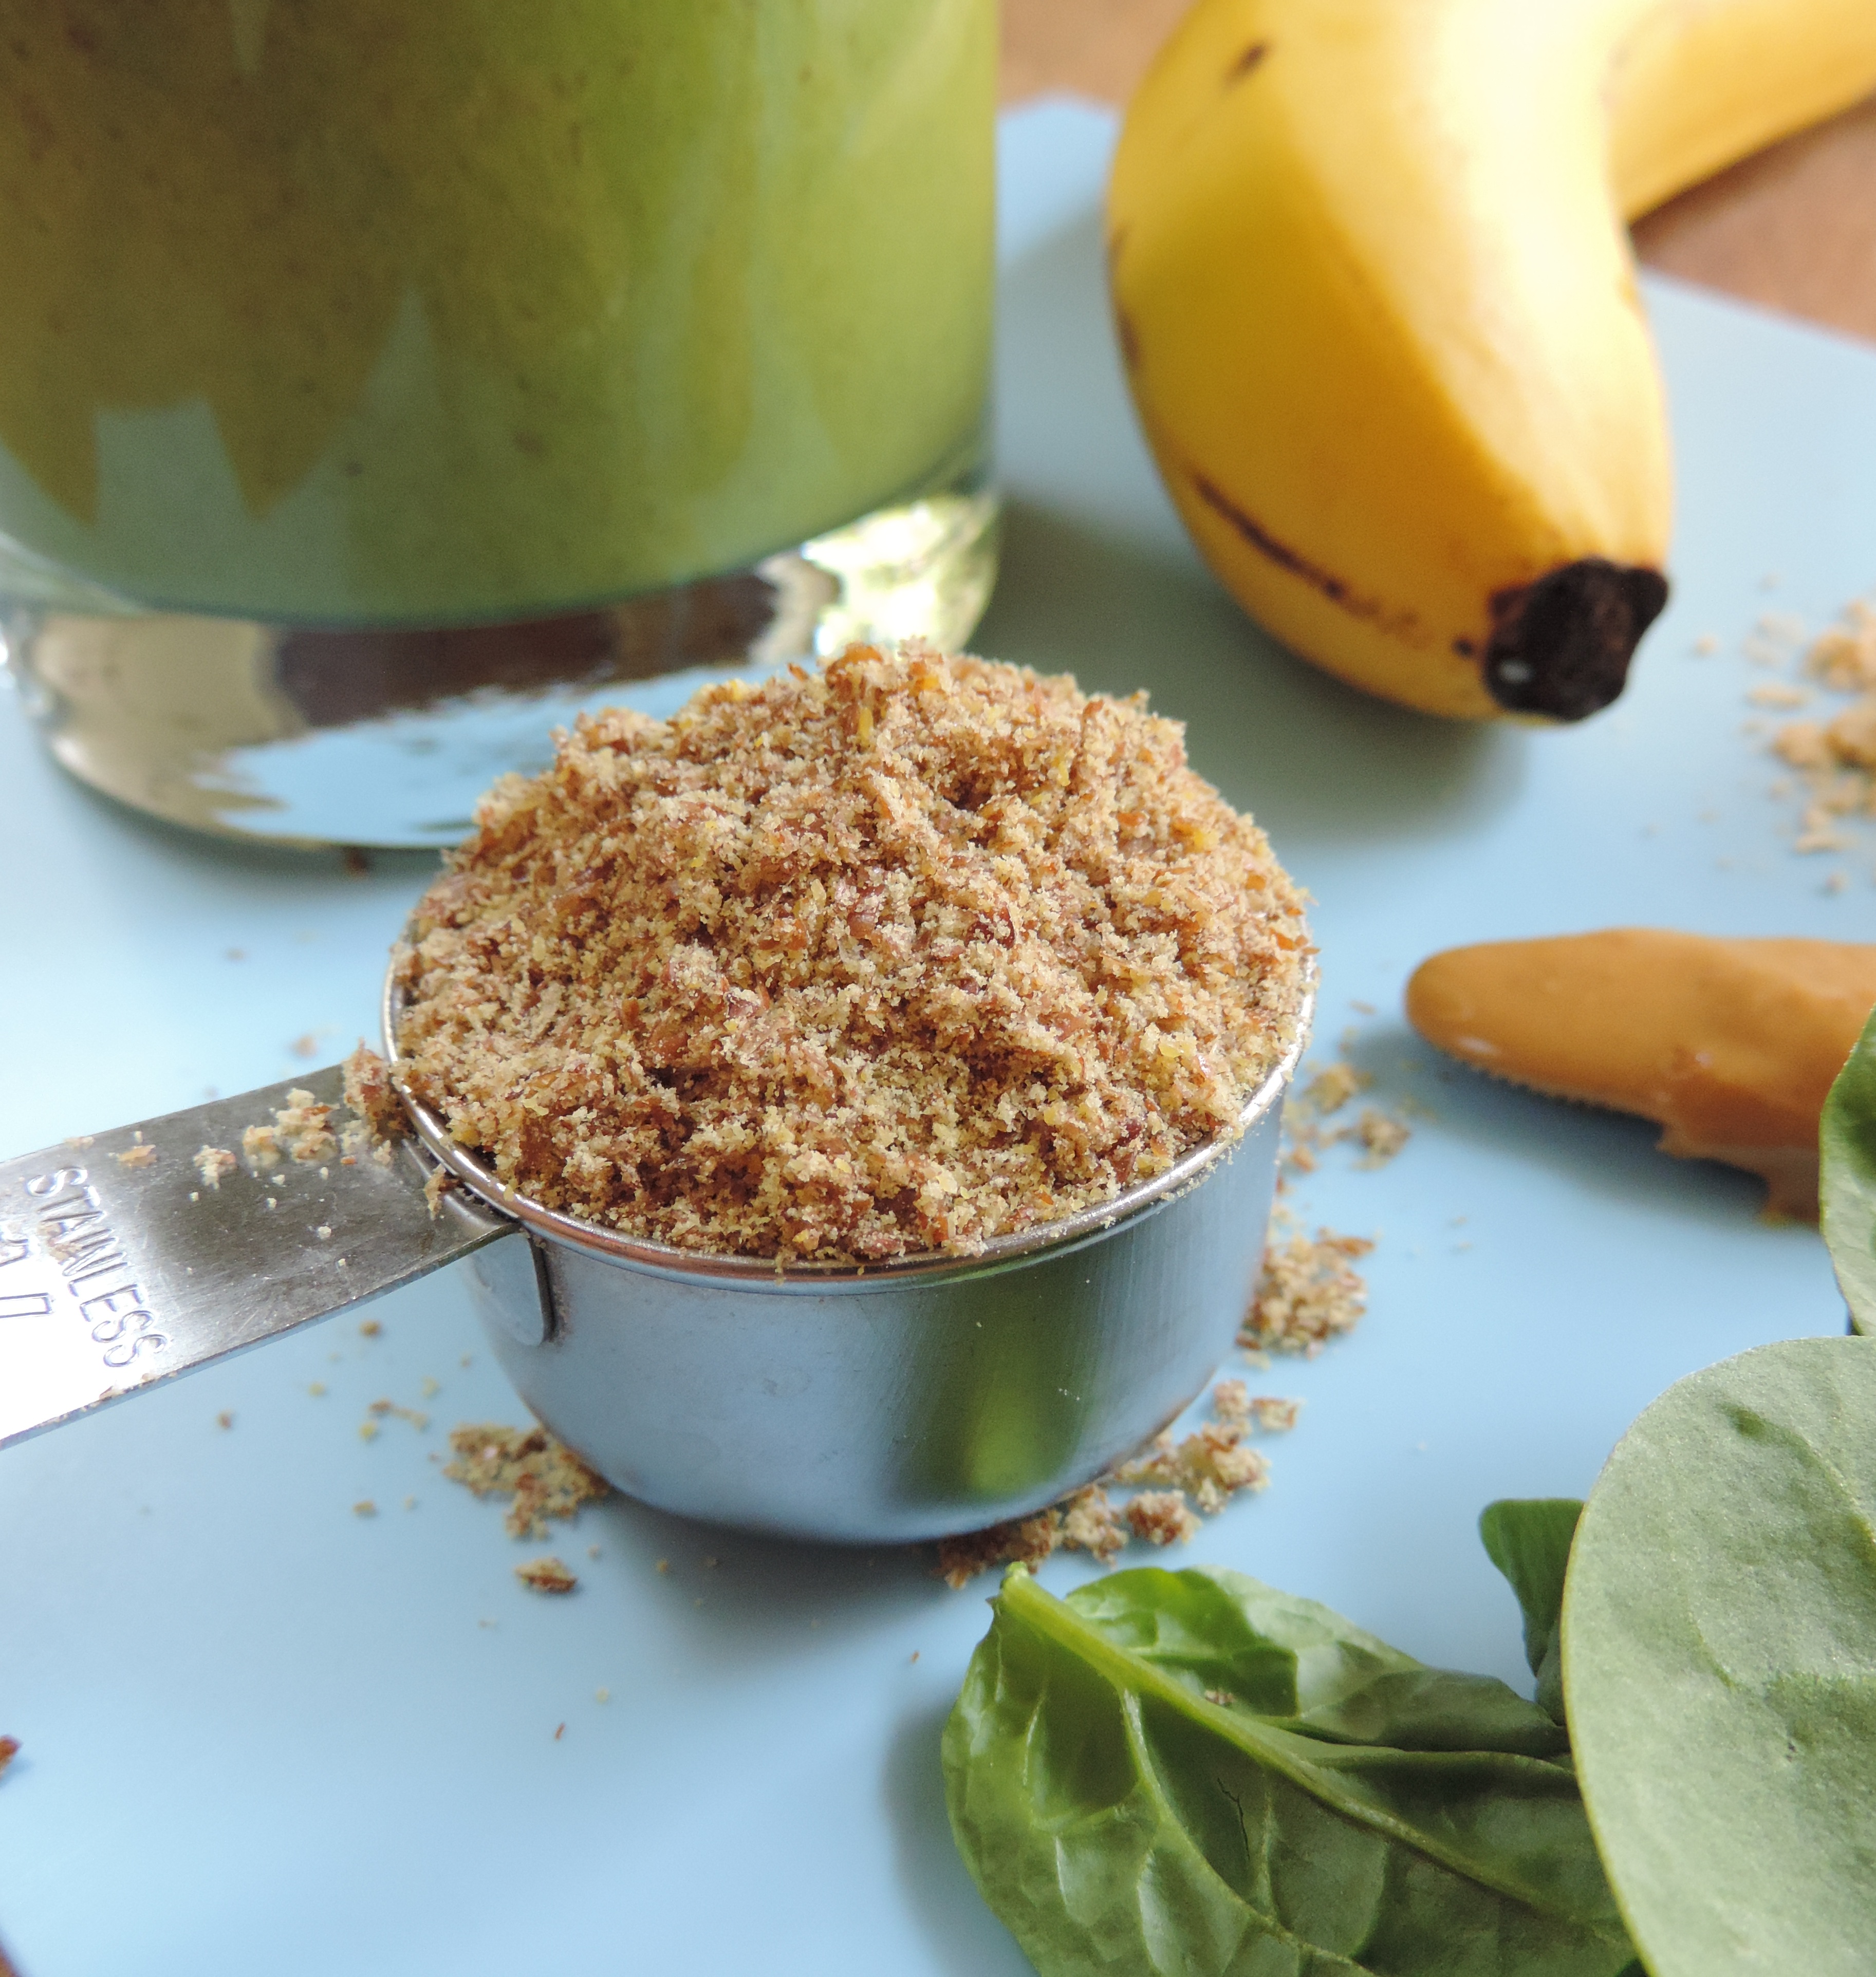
(1399, 622)
(1730, 1046)
(1242, 63)
(1560, 645)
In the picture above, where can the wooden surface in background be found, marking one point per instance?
(1793, 228)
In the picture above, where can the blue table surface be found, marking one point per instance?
(262, 1733)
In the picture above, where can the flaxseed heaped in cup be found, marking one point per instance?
(900, 955)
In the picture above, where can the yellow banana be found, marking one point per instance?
(1378, 308)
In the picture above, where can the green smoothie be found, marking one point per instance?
(384, 311)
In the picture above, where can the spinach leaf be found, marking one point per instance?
(1720, 1665)
(1528, 1540)
(1186, 1771)
(1303, 1665)
(1846, 1182)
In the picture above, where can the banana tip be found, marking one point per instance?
(1561, 646)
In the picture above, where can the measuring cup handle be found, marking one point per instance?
(123, 1263)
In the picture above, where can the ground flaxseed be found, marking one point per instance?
(1162, 1517)
(545, 1478)
(546, 1575)
(300, 1131)
(1213, 1465)
(371, 1096)
(1309, 1291)
(1380, 1134)
(901, 955)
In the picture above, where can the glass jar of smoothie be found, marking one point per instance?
(381, 383)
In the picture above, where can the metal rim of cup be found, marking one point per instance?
(774, 1273)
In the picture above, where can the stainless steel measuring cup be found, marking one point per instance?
(910, 1399)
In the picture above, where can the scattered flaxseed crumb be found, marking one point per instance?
(1380, 1134)
(544, 1476)
(1162, 1517)
(364, 1507)
(430, 1387)
(961, 1558)
(1087, 1521)
(602, 1695)
(410, 1503)
(138, 1156)
(368, 1430)
(441, 1181)
(1381, 1137)
(316, 1388)
(305, 1045)
(1843, 655)
(9, 1750)
(214, 1164)
(593, 1551)
(905, 955)
(1090, 1522)
(417, 1419)
(1329, 1091)
(1211, 1464)
(1777, 693)
(370, 1327)
(79, 1141)
(559, 1729)
(370, 1093)
(225, 1418)
(355, 1138)
(324, 1233)
(300, 1131)
(545, 1575)
(1706, 645)
(1308, 1294)
(1835, 758)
